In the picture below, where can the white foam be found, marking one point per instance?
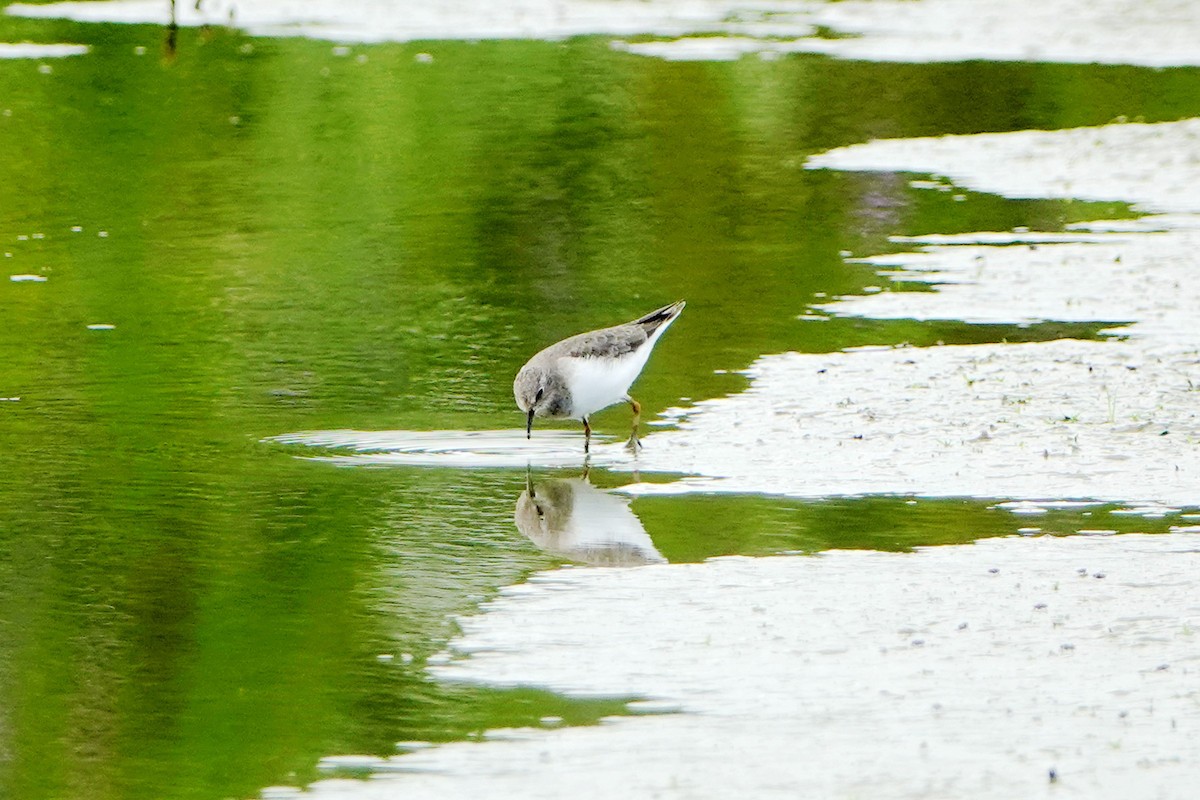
(402, 20)
(966, 671)
(699, 48)
(1115, 420)
(1156, 34)
(1016, 421)
(451, 448)
(1152, 34)
(1154, 170)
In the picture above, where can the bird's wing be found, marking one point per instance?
(659, 317)
(606, 343)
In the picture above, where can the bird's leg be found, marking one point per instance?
(634, 444)
(587, 435)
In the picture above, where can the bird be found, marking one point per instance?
(573, 519)
(585, 373)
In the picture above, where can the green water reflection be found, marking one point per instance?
(287, 239)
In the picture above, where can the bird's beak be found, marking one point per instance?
(529, 425)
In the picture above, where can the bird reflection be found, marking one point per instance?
(575, 520)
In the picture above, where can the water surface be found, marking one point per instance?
(247, 237)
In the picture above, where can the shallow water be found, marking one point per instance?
(245, 237)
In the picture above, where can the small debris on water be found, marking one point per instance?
(101, 326)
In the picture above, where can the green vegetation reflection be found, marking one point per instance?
(284, 238)
(693, 528)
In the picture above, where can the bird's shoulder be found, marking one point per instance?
(604, 343)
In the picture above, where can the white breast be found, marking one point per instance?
(597, 383)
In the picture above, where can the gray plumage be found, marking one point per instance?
(584, 373)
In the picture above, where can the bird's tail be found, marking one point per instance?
(663, 316)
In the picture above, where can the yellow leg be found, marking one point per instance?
(634, 444)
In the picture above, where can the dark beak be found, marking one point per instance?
(529, 425)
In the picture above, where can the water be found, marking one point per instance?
(245, 238)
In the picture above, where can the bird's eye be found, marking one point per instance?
(538, 397)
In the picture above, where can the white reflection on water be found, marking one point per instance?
(31, 50)
(575, 520)
(505, 448)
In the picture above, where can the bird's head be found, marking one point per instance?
(541, 392)
(532, 391)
